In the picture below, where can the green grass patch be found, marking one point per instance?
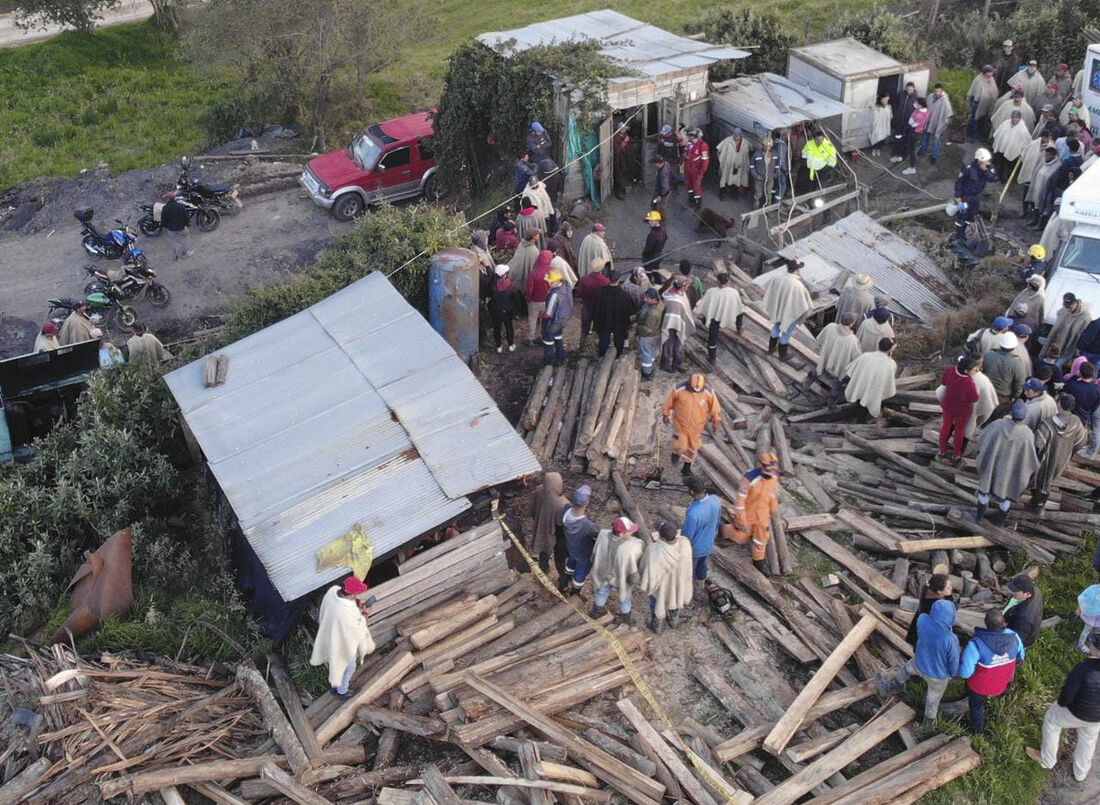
(119, 95)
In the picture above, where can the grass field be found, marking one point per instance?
(119, 96)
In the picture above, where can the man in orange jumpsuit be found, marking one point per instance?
(757, 502)
(688, 408)
(696, 162)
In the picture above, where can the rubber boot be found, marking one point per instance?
(626, 618)
(783, 350)
(979, 512)
(1038, 499)
(740, 321)
(760, 565)
(673, 618)
(712, 354)
(656, 625)
(597, 612)
(772, 344)
(686, 469)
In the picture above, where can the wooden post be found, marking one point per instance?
(387, 677)
(276, 723)
(279, 779)
(786, 727)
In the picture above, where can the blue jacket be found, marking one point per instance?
(937, 653)
(988, 644)
(701, 525)
(970, 182)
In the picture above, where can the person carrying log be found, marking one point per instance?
(1077, 708)
(701, 522)
(837, 347)
(935, 659)
(548, 539)
(757, 501)
(343, 638)
(787, 300)
(958, 401)
(1006, 462)
(869, 379)
(615, 567)
(988, 665)
(1056, 440)
(667, 577)
(689, 407)
(721, 307)
(580, 538)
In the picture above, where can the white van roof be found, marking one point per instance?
(1081, 200)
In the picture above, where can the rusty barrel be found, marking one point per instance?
(453, 299)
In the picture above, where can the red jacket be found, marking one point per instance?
(588, 286)
(961, 392)
(537, 286)
(698, 156)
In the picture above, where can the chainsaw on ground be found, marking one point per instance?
(655, 480)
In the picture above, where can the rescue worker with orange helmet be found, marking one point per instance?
(688, 408)
(757, 501)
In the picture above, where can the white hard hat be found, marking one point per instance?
(983, 155)
(1007, 341)
(951, 208)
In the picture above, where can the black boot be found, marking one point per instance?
(740, 321)
(712, 354)
(686, 469)
(597, 612)
(979, 512)
(673, 618)
(1037, 501)
(783, 350)
(760, 565)
(772, 344)
(626, 618)
(656, 625)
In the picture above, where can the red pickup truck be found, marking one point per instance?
(386, 162)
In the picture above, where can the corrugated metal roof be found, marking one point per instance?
(857, 243)
(353, 411)
(745, 97)
(847, 58)
(645, 48)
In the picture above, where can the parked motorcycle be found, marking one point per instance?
(205, 218)
(104, 304)
(223, 196)
(116, 244)
(128, 282)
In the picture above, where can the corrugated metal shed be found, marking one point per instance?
(646, 49)
(353, 411)
(848, 58)
(744, 101)
(857, 243)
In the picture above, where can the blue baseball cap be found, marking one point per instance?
(1019, 411)
(582, 495)
(536, 126)
(1034, 384)
(1021, 329)
(1002, 323)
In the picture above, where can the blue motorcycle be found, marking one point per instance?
(117, 244)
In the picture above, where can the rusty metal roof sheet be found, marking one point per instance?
(644, 48)
(352, 411)
(913, 280)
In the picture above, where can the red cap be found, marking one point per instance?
(49, 328)
(354, 586)
(624, 525)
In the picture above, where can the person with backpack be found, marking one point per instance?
(989, 664)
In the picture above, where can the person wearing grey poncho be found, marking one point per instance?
(837, 347)
(667, 576)
(1073, 317)
(940, 113)
(1033, 297)
(1038, 405)
(787, 300)
(1041, 178)
(547, 539)
(1003, 111)
(1006, 463)
(873, 329)
(856, 297)
(522, 262)
(871, 378)
(1031, 81)
(1056, 440)
(981, 96)
(593, 246)
(615, 567)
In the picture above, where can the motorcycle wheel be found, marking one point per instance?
(127, 316)
(207, 219)
(157, 294)
(231, 206)
(95, 286)
(91, 247)
(149, 227)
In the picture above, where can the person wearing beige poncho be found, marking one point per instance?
(343, 639)
(667, 577)
(837, 347)
(615, 569)
(871, 378)
(873, 329)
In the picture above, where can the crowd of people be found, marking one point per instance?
(142, 348)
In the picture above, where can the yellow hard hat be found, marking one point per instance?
(1037, 251)
(554, 276)
(653, 215)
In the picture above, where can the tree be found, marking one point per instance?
(79, 14)
(308, 60)
(763, 35)
(882, 30)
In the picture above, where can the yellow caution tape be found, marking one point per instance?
(732, 795)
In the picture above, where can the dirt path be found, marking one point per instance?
(273, 235)
(127, 11)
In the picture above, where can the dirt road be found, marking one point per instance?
(273, 235)
(127, 11)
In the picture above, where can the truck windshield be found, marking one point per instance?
(365, 152)
(1082, 254)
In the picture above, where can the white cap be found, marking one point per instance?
(983, 155)
(1007, 341)
(501, 270)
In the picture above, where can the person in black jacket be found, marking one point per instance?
(1078, 707)
(937, 587)
(970, 183)
(503, 307)
(612, 314)
(1024, 614)
(654, 242)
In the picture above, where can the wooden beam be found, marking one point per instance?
(792, 720)
(881, 770)
(594, 795)
(389, 675)
(279, 779)
(294, 710)
(922, 774)
(441, 627)
(414, 725)
(274, 719)
(943, 544)
(860, 569)
(439, 787)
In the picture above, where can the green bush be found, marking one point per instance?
(761, 33)
(882, 30)
(1053, 31)
(967, 41)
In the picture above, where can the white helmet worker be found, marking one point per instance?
(983, 155)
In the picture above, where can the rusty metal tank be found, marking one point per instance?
(453, 296)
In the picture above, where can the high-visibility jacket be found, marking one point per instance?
(819, 156)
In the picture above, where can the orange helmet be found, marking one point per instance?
(697, 382)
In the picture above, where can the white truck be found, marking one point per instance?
(1077, 263)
